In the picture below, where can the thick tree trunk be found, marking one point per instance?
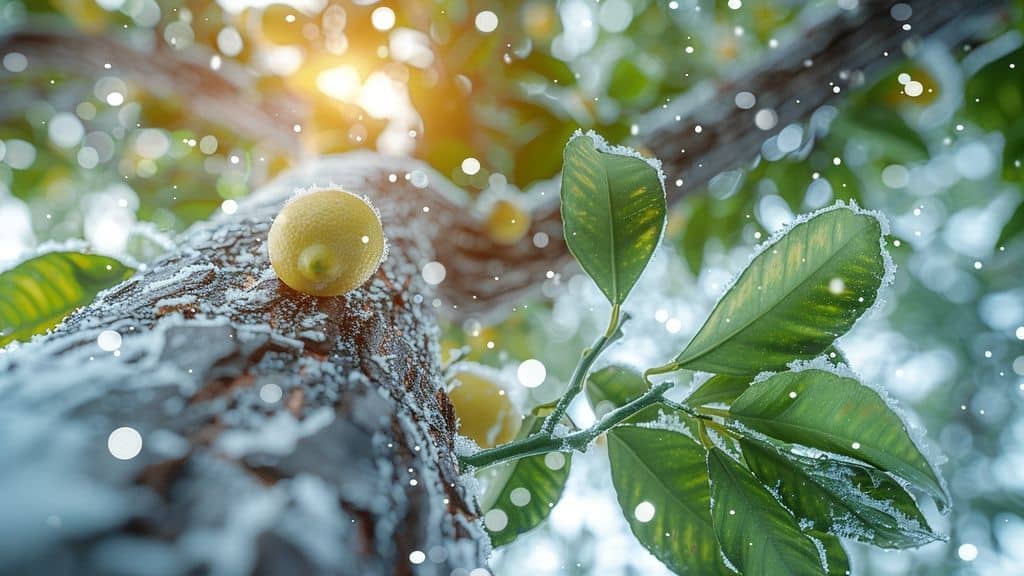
(350, 472)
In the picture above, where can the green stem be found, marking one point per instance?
(544, 442)
(724, 429)
(579, 376)
(685, 409)
(705, 440)
(714, 412)
(613, 322)
(667, 368)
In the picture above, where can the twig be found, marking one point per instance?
(542, 442)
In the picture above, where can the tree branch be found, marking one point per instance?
(844, 51)
(485, 277)
(221, 97)
(543, 442)
(846, 48)
(282, 433)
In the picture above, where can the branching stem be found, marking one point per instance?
(543, 442)
(579, 376)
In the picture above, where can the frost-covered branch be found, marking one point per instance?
(579, 375)
(543, 442)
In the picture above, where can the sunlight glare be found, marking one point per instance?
(341, 83)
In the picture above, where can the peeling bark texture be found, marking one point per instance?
(349, 472)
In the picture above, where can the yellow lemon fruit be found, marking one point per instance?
(507, 223)
(485, 414)
(326, 242)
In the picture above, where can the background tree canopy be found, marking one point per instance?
(122, 122)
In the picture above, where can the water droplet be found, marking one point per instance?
(520, 496)
(270, 393)
(531, 373)
(434, 273)
(124, 443)
(644, 512)
(554, 460)
(967, 552)
(496, 520)
(109, 340)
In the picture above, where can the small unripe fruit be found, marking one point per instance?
(485, 414)
(326, 242)
(507, 223)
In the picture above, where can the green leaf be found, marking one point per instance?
(756, 533)
(38, 293)
(526, 489)
(695, 235)
(795, 298)
(541, 64)
(719, 389)
(836, 560)
(840, 497)
(538, 158)
(884, 129)
(666, 470)
(839, 415)
(613, 212)
(1013, 227)
(613, 386)
(633, 82)
(994, 96)
(1013, 152)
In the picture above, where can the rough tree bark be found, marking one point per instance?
(352, 469)
(349, 472)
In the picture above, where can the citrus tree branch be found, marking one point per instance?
(844, 49)
(543, 442)
(579, 375)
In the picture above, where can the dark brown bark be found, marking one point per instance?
(350, 472)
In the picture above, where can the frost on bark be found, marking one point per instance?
(349, 472)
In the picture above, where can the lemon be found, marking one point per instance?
(485, 414)
(326, 242)
(507, 223)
